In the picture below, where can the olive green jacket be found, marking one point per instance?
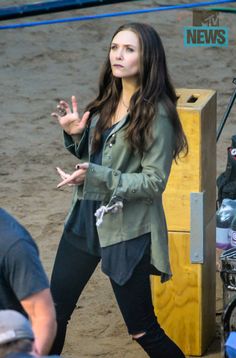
(136, 180)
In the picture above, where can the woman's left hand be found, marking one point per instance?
(76, 178)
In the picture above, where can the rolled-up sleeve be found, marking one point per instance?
(77, 145)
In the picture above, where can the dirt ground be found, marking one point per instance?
(39, 66)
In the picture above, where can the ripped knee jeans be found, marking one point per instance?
(135, 303)
(73, 269)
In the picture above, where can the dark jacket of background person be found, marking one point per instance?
(24, 285)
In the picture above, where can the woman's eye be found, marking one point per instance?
(129, 49)
(113, 47)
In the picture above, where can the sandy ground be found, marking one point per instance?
(39, 66)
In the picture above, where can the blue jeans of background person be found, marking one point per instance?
(73, 269)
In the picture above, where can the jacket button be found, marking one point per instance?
(133, 191)
(110, 145)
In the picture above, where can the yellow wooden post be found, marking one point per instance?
(185, 305)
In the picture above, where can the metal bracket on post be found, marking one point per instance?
(197, 230)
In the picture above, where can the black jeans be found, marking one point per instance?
(71, 272)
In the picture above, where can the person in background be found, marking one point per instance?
(16, 336)
(125, 142)
(24, 286)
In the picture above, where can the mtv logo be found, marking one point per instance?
(205, 18)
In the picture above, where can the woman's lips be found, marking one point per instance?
(117, 65)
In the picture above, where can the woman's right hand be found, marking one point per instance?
(70, 120)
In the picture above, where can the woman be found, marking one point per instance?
(126, 141)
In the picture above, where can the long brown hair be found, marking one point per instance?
(154, 87)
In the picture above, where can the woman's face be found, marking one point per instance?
(125, 54)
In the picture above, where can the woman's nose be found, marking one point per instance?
(119, 54)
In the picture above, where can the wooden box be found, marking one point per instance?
(185, 305)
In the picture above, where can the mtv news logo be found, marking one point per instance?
(205, 30)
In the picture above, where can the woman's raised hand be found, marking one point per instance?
(69, 119)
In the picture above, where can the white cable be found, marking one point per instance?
(100, 212)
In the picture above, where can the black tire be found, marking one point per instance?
(229, 318)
